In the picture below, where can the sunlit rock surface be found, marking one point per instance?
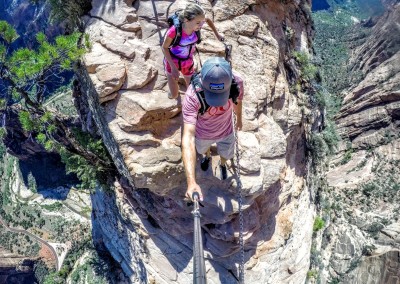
(147, 226)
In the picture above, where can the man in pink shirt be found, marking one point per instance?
(200, 131)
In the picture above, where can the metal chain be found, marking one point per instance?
(240, 199)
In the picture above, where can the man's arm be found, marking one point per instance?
(238, 111)
(189, 159)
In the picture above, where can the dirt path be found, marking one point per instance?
(36, 238)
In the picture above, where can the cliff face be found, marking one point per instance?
(15, 268)
(28, 18)
(146, 225)
(362, 238)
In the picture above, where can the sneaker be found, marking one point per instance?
(224, 172)
(204, 163)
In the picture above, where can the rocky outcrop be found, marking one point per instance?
(360, 244)
(372, 107)
(147, 226)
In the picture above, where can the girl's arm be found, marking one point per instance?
(210, 23)
(165, 48)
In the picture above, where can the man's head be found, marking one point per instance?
(216, 77)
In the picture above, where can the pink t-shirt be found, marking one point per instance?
(183, 49)
(216, 122)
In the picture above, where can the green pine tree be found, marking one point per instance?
(32, 183)
(26, 73)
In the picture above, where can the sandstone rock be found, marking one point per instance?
(250, 153)
(144, 111)
(139, 75)
(117, 13)
(271, 137)
(109, 78)
(119, 46)
(107, 98)
(246, 25)
(99, 56)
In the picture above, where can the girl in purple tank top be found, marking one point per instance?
(179, 58)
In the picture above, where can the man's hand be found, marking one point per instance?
(189, 160)
(239, 125)
(194, 188)
(238, 111)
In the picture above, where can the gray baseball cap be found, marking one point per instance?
(216, 77)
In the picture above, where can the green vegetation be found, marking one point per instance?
(94, 269)
(41, 270)
(61, 100)
(52, 207)
(79, 165)
(24, 71)
(27, 74)
(312, 274)
(347, 155)
(307, 69)
(336, 35)
(333, 36)
(315, 261)
(319, 223)
(335, 280)
(323, 144)
(78, 248)
(384, 187)
(7, 165)
(88, 272)
(368, 249)
(69, 12)
(32, 183)
(18, 243)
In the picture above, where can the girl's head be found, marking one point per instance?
(193, 15)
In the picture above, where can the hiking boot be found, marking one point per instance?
(205, 163)
(224, 172)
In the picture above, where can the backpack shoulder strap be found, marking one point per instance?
(198, 89)
(178, 28)
(234, 93)
(198, 33)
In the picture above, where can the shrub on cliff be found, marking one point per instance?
(27, 75)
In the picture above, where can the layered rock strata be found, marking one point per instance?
(361, 242)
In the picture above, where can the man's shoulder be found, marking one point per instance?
(190, 101)
(190, 93)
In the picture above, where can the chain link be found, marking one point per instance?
(240, 199)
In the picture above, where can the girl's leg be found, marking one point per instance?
(173, 87)
(172, 82)
(188, 70)
(187, 80)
